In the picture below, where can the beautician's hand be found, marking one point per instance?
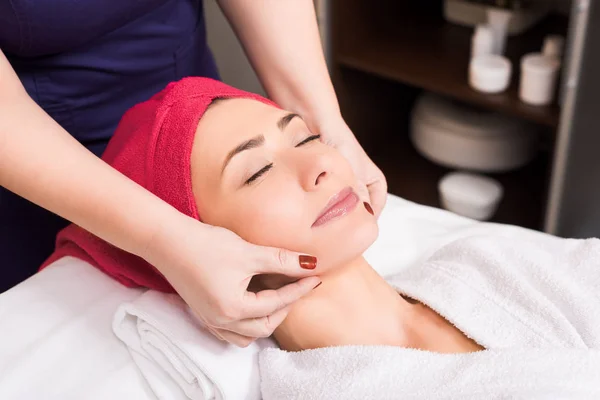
(211, 268)
(337, 134)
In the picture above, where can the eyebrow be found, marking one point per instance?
(285, 120)
(259, 140)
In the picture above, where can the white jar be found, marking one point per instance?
(470, 195)
(538, 78)
(482, 42)
(499, 19)
(490, 73)
(553, 46)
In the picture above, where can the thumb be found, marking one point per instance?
(289, 263)
(363, 193)
(378, 196)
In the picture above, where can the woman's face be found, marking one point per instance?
(259, 172)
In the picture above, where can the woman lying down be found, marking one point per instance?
(485, 317)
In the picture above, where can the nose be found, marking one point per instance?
(315, 171)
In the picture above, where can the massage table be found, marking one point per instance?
(56, 339)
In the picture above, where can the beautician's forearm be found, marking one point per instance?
(281, 39)
(41, 162)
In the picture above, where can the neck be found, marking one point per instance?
(353, 305)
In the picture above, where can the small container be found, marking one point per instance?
(483, 41)
(538, 79)
(490, 73)
(499, 19)
(553, 46)
(470, 13)
(470, 195)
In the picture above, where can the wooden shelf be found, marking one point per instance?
(423, 51)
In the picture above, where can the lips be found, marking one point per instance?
(338, 206)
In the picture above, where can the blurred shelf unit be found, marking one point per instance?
(384, 53)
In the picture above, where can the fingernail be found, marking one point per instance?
(308, 262)
(368, 207)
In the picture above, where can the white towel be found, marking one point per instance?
(178, 358)
(533, 302)
(380, 373)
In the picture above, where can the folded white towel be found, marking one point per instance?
(533, 302)
(179, 358)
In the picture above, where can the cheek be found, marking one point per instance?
(272, 213)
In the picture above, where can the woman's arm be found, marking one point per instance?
(281, 39)
(209, 267)
(40, 161)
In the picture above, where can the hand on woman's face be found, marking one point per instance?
(259, 172)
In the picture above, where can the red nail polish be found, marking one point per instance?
(368, 207)
(308, 262)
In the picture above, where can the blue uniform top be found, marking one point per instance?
(85, 62)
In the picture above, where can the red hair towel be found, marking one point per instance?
(152, 146)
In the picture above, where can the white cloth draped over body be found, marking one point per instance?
(533, 303)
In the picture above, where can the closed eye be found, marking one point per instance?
(260, 173)
(266, 168)
(309, 139)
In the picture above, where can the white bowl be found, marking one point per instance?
(470, 195)
(462, 137)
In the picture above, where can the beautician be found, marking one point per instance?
(68, 72)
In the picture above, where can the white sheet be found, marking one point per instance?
(56, 339)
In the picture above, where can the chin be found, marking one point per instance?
(347, 245)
